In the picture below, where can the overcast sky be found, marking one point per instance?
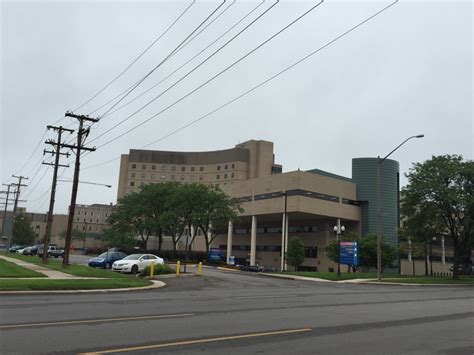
(408, 71)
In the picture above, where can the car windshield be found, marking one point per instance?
(103, 255)
(133, 257)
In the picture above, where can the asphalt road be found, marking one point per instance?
(235, 313)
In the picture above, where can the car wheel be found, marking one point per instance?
(135, 269)
(108, 265)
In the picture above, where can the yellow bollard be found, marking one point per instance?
(152, 269)
(200, 268)
(178, 267)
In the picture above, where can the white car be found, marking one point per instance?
(136, 262)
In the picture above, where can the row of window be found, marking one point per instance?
(294, 229)
(90, 220)
(183, 168)
(90, 228)
(182, 178)
(91, 213)
(309, 252)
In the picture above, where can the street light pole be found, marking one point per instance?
(378, 212)
(338, 229)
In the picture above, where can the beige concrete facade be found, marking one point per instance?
(38, 224)
(314, 202)
(92, 218)
(247, 160)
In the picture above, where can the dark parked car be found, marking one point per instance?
(106, 259)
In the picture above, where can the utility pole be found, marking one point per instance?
(6, 205)
(57, 153)
(82, 134)
(18, 185)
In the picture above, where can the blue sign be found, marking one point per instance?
(215, 255)
(349, 253)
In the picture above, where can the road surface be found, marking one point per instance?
(241, 313)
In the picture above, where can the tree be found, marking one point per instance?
(367, 251)
(295, 253)
(440, 194)
(77, 234)
(23, 234)
(215, 210)
(120, 237)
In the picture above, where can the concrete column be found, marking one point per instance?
(253, 241)
(443, 251)
(409, 250)
(230, 230)
(282, 262)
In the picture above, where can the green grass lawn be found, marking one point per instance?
(76, 270)
(427, 280)
(8, 269)
(332, 276)
(41, 285)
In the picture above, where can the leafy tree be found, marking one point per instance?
(23, 234)
(439, 195)
(77, 234)
(120, 237)
(215, 210)
(295, 253)
(367, 251)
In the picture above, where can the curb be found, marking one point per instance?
(412, 284)
(227, 269)
(298, 278)
(156, 284)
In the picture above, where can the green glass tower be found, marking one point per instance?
(364, 174)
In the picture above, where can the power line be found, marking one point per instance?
(266, 81)
(188, 61)
(177, 51)
(118, 76)
(163, 61)
(215, 76)
(190, 72)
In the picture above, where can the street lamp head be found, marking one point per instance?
(420, 136)
(335, 229)
(343, 229)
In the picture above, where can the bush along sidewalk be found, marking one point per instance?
(159, 270)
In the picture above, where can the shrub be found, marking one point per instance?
(159, 270)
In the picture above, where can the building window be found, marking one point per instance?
(90, 228)
(132, 183)
(201, 168)
(173, 168)
(97, 221)
(218, 167)
(201, 177)
(218, 177)
(143, 175)
(79, 213)
(90, 221)
(232, 175)
(134, 166)
(172, 177)
(153, 167)
(225, 167)
(183, 168)
(85, 213)
(191, 178)
(84, 219)
(192, 168)
(182, 177)
(83, 228)
(106, 215)
(233, 166)
(78, 219)
(144, 166)
(311, 252)
(92, 213)
(163, 177)
(132, 175)
(225, 176)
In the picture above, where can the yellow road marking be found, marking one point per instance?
(198, 341)
(100, 320)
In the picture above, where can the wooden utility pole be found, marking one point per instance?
(6, 205)
(82, 134)
(57, 153)
(18, 185)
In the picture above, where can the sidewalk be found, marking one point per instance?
(49, 273)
